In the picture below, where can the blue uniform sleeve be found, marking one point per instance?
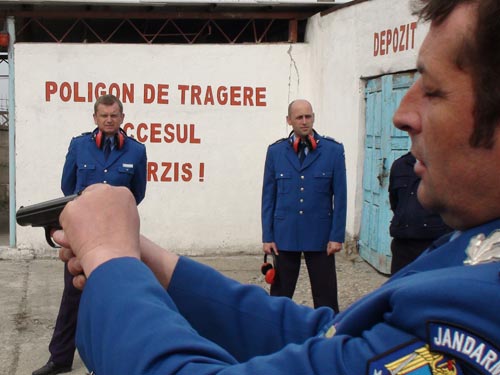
(255, 325)
(206, 323)
(138, 183)
(128, 324)
(68, 179)
(268, 199)
(337, 232)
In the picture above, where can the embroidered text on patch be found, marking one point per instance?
(465, 346)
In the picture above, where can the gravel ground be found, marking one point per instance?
(31, 292)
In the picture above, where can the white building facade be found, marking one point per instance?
(206, 114)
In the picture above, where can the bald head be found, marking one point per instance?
(300, 117)
(300, 102)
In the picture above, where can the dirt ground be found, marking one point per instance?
(32, 286)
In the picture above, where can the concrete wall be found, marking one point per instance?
(218, 207)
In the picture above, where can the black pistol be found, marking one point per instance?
(44, 214)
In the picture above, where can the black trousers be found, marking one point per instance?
(62, 346)
(405, 251)
(322, 276)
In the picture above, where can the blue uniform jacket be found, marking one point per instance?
(304, 206)
(85, 165)
(436, 316)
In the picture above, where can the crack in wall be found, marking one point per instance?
(292, 67)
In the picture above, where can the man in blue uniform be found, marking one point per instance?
(304, 207)
(106, 155)
(413, 228)
(439, 315)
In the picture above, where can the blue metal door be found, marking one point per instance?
(384, 143)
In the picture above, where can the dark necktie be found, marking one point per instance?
(107, 148)
(302, 152)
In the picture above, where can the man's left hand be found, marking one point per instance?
(333, 247)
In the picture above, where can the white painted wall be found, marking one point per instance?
(222, 212)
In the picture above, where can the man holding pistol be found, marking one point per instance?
(438, 315)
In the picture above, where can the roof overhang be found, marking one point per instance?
(172, 9)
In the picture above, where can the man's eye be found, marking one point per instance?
(432, 93)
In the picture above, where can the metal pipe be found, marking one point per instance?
(11, 29)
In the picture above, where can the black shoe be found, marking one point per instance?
(51, 369)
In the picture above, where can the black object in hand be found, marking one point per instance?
(44, 214)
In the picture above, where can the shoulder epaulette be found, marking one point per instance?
(132, 138)
(279, 141)
(82, 135)
(330, 139)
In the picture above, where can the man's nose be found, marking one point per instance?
(407, 115)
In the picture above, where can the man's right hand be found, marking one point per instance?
(100, 224)
(269, 247)
(103, 224)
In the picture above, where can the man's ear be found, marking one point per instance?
(95, 119)
(288, 120)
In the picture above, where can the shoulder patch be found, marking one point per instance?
(413, 358)
(464, 345)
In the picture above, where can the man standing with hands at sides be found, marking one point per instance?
(105, 155)
(304, 199)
